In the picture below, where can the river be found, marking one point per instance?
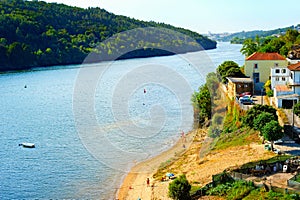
(92, 122)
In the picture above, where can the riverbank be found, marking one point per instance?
(135, 183)
(198, 167)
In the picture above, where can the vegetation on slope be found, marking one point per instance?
(239, 37)
(35, 33)
(282, 44)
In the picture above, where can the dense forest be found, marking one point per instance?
(287, 44)
(35, 33)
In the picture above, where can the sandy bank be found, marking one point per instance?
(198, 167)
(135, 183)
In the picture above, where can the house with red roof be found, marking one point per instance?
(287, 95)
(258, 67)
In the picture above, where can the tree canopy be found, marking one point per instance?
(229, 69)
(270, 44)
(212, 83)
(35, 33)
(272, 131)
(202, 103)
(255, 111)
(262, 119)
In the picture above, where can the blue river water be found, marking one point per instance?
(90, 123)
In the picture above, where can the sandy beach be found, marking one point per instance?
(198, 168)
(135, 183)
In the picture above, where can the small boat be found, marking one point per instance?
(27, 145)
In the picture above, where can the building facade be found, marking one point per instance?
(236, 86)
(279, 76)
(294, 79)
(258, 67)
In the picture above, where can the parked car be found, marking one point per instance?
(245, 93)
(246, 100)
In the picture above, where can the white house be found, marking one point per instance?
(294, 80)
(279, 76)
(286, 88)
(284, 97)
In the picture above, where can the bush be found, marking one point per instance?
(220, 190)
(179, 189)
(270, 93)
(297, 109)
(240, 189)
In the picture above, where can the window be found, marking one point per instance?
(245, 85)
(276, 64)
(277, 71)
(283, 78)
(255, 66)
(277, 79)
(283, 71)
(239, 86)
(291, 75)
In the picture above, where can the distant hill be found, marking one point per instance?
(35, 33)
(240, 36)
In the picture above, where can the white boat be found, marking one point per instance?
(27, 145)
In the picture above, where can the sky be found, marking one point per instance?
(203, 16)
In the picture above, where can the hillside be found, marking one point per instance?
(35, 33)
(239, 37)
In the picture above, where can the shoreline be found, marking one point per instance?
(134, 183)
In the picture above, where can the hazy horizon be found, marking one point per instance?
(203, 16)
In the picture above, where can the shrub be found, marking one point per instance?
(179, 189)
(240, 189)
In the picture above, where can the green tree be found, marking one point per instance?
(249, 47)
(212, 83)
(262, 119)
(290, 36)
(229, 69)
(29, 28)
(253, 112)
(274, 45)
(202, 103)
(19, 55)
(3, 56)
(179, 189)
(272, 131)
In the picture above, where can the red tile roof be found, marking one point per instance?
(294, 67)
(265, 56)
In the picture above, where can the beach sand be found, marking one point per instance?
(198, 167)
(135, 183)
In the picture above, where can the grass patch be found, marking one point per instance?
(247, 191)
(297, 178)
(240, 137)
(161, 171)
(194, 189)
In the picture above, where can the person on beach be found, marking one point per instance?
(183, 136)
(148, 182)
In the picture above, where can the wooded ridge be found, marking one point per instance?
(35, 33)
